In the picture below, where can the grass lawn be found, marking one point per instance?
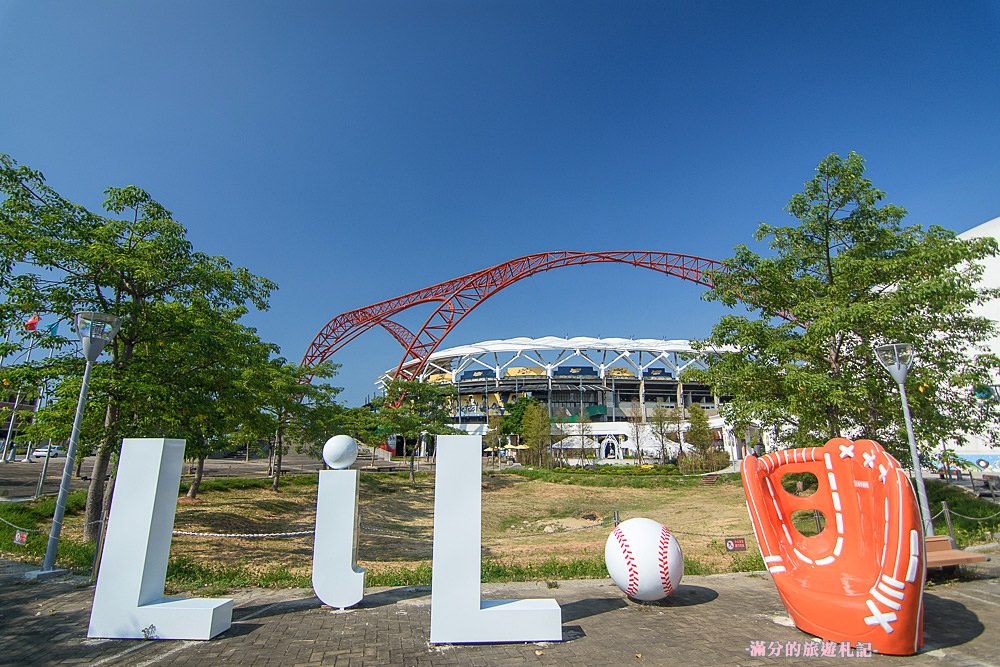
(536, 525)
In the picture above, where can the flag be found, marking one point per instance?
(32, 324)
(52, 328)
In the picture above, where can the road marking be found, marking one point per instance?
(110, 658)
(161, 656)
(973, 597)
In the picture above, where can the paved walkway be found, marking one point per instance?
(711, 620)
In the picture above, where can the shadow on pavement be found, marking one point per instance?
(574, 611)
(948, 623)
(393, 595)
(263, 610)
(238, 629)
(684, 596)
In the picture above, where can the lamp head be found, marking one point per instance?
(895, 358)
(96, 330)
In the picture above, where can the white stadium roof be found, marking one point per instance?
(548, 352)
(557, 343)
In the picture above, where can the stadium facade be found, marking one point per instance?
(616, 384)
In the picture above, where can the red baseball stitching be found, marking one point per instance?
(665, 561)
(633, 573)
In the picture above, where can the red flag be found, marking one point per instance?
(32, 324)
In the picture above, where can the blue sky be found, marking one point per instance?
(354, 151)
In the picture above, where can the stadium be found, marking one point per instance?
(613, 383)
(601, 393)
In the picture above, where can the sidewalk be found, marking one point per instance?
(711, 620)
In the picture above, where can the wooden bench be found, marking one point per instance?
(941, 552)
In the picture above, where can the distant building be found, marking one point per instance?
(978, 450)
(612, 382)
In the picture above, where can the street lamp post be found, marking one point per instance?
(95, 330)
(897, 359)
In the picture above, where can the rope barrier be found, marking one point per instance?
(23, 530)
(973, 518)
(397, 533)
(244, 536)
(426, 535)
(681, 532)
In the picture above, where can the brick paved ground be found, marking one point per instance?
(710, 621)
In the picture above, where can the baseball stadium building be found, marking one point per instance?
(616, 384)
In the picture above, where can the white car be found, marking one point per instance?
(54, 452)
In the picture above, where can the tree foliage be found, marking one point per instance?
(536, 432)
(134, 260)
(412, 409)
(847, 278)
(513, 418)
(665, 424)
(699, 434)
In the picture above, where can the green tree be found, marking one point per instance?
(585, 433)
(846, 279)
(58, 258)
(361, 423)
(514, 416)
(536, 432)
(412, 409)
(699, 432)
(666, 426)
(198, 375)
(296, 405)
(495, 438)
(636, 415)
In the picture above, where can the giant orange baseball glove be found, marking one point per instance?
(862, 578)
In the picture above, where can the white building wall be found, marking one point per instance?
(977, 448)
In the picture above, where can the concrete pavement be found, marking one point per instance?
(711, 620)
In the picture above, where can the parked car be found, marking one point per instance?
(54, 452)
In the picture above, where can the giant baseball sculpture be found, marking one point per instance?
(862, 578)
(644, 559)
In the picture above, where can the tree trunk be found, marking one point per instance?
(95, 495)
(413, 456)
(109, 489)
(278, 440)
(95, 492)
(196, 482)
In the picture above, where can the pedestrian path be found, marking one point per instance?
(732, 619)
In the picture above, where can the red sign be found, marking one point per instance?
(20, 537)
(736, 544)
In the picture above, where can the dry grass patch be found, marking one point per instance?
(525, 522)
(532, 520)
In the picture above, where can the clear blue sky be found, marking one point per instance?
(353, 151)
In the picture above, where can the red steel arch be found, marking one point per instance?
(459, 296)
(402, 335)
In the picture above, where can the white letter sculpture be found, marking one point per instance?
(458, 614)
(128, 601)
(336, 577)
